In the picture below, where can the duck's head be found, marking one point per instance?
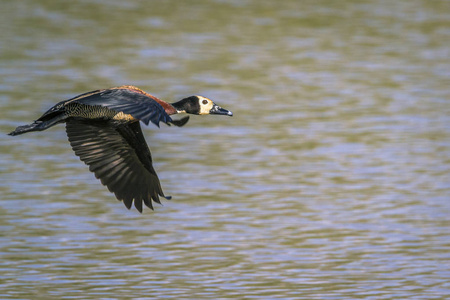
(199, 105)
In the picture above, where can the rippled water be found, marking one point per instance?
(330, 182)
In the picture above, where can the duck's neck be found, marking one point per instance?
(186, 105)
(179, 107)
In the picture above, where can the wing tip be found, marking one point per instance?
(179, 123)
(161, 118)
(138, 202)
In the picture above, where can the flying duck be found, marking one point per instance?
(103, 130)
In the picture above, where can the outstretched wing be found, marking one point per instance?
(119, 157)
(129, 100)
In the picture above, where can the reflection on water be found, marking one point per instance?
(331, 180)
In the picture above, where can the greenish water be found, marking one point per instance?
(330, 182)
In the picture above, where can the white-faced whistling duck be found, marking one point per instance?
(103, 130)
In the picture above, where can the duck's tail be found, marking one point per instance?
(39, 124)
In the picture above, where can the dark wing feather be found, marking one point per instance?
(181, 122)
(119, 156)
(128, 101)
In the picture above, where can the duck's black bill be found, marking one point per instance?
(217, 110)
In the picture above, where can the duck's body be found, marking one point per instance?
(104, 131)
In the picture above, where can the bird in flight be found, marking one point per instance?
(104, 131)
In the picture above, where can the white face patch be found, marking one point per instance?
(205, 105)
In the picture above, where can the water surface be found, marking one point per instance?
(330, 182)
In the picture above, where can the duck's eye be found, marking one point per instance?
(205, 102)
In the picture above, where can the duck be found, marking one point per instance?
(103, 129)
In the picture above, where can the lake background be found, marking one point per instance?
(331, 181)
